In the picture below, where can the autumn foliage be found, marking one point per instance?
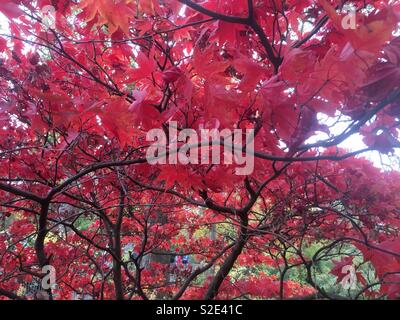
(82, 82)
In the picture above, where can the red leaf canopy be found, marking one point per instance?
(83, 82)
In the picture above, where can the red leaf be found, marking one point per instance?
(171, 75)
(10, 9)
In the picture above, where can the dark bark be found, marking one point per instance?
(230, 261)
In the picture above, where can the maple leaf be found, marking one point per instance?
(143, 111)
(10, 8)
(118, 120)
(297, 63)
(115, 13)
(391, 286)
(340, 271)
(149, 7)
(384, 73)
(171, 74)
(252, 72)
(146, 65)
(375, 30)
(337, 269)
(226, 32)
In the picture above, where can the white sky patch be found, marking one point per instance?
(354, 142)
(182, 12)
(4, 26)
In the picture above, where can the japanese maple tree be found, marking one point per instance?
(83, 81)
